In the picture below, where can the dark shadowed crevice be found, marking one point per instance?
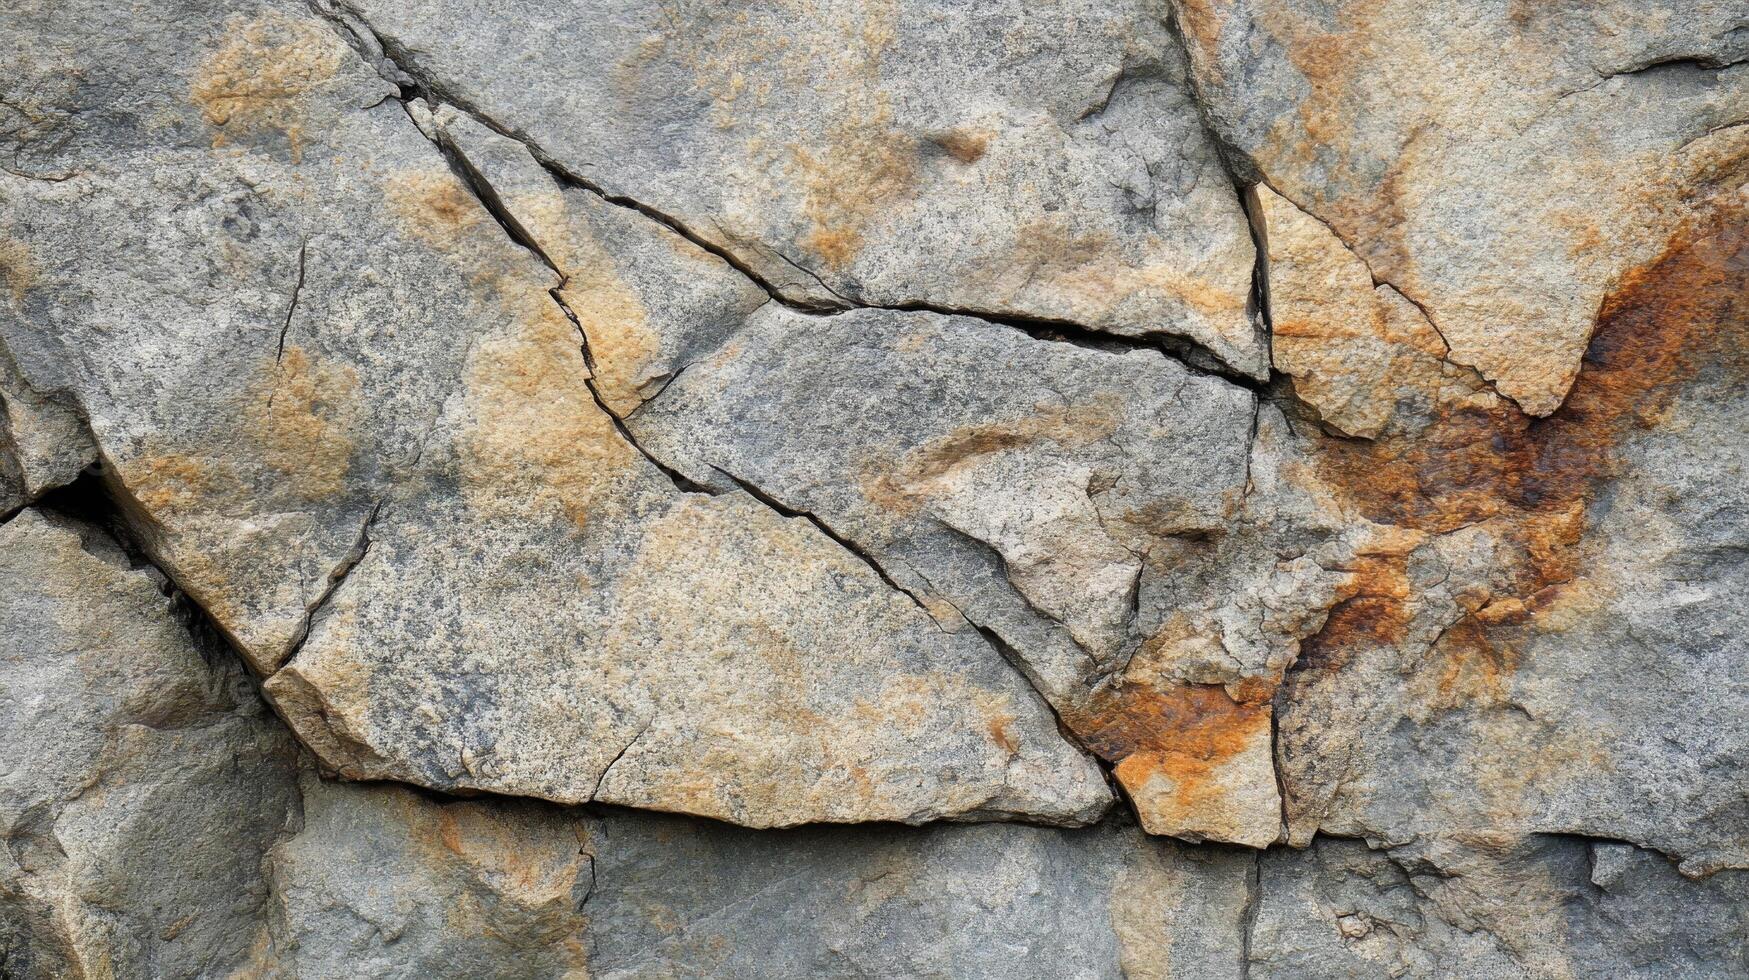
(1248, 915)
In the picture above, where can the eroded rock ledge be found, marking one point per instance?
(1291, 499)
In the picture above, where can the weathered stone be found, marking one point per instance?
(1358, 352)
(1038, 490)
(648, 300)
(382, 882)
(825, 413)
(1542, 907)
(143, 777)
(1501, 164)
(1039, 161)
(349, 419)
(991, 901)
(1556, 652)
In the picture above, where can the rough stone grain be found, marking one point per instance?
(143, 778)
(1501, 164)
(348, 418)
(1038, 161)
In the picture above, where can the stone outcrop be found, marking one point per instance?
(1166, 489)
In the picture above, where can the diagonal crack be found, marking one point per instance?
(292, 307)
(401, 67)
(772, 502)
(336, 577)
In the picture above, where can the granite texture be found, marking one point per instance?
(1157, 489)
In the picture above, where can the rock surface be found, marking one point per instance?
(436, 436)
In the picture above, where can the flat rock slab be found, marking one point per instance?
(1037, 161)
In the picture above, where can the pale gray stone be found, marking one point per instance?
(143, 778)
(1038, 161)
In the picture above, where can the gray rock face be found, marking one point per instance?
(400, 522)
(992, 901)
(1557, 147)
(626, 444)
(143, 778)
(1042, 161)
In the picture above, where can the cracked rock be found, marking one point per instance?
(1165, 488)
(1036, 161)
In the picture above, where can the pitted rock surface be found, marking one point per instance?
(1173, 488)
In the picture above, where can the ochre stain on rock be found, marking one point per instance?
(535, 438)
(260, 80)
(434, 206)
(964, 145)
(168, 483)
(622, 343)
(1530, 480)
(18, 269)
(1371, 608)
(304, 423)
(864, 166)
(1185, 732)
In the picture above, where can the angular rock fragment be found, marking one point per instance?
(1501, 165)
(1542, 907)
(1088, 508)
(1358, 352)
(382, 882)
(1038, 161)
(143, 777)
(346, 414)
(1557, 649)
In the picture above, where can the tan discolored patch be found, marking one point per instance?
(860, 170)
(964, 145)
(18, 268)
(1357, 352)
(904, 485)
(1090, 269)
(434, 206)
(261, 80)
(535, 439)
(622, 343)
(166, 484)
(305, 423)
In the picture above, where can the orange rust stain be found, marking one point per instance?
(1477, 663)
(1185, 732)
(1371, 610)
(167, 483)
(1531, 479)
(261, 79)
